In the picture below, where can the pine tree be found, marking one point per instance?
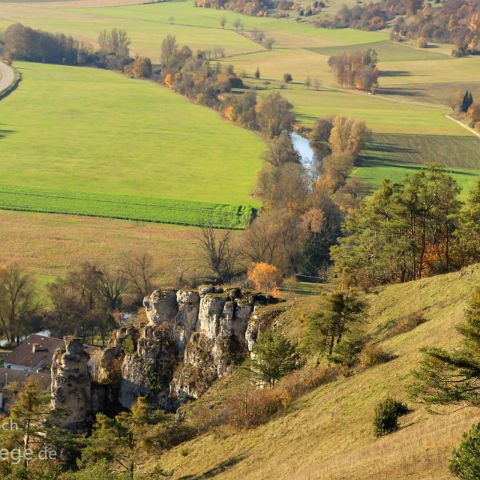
(465, 460)
(467, 101)
(452, 377)
(328, 325)
(273, 357)
(118, 441)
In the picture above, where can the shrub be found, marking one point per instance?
(386, 416)
(405, 324)
(421, 43)
(372, 355)
(465, 461)
(302, 381)
(252, 408)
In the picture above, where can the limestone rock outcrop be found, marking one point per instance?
(72, 386)
(192, 338)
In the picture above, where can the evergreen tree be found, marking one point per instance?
(118, 441)
(452, 377)
(403, 232)
(273, 357)
(468, 248)
(465, 460)
(328, 325)
(38, 450)
(467, 101)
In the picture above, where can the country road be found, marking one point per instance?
(6, 76)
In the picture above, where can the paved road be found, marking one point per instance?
(6, 76)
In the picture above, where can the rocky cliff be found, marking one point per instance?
(72, 386)
(192, 338)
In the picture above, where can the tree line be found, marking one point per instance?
(452, 21)
(24, 43)
(86, 302)
(409, 231)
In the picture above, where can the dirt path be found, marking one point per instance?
(475, 132)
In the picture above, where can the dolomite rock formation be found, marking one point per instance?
(72, 386)
(192, 338)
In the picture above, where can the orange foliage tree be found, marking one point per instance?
(265, 276)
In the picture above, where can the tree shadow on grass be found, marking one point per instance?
(220, 468)
(4, 133)
(395, 73)
(405, 92)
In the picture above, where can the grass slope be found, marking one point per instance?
(327, 434)
(112, 146)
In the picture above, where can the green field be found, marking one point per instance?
(147, 25)
(158, 146)
(87, 141)
(387, 51)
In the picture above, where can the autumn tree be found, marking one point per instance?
(168, 49)
(473, 113)
(275, 238)
(355, 69)
(264, 276)
(114, 46)
(83, 302)
(283, 187)
(281, 151)
(274, 115)
(142, 67)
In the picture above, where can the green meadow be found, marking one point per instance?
(106, 135)
(112, 146)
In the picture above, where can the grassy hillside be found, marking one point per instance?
(327, 435)
(87, 141)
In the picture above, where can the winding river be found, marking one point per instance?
(304, 149)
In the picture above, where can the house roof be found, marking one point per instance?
(24, 355)
(7, 375)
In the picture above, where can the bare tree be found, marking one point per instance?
(140, 271)
(111, 286)
(216, 247)
(17, 301)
